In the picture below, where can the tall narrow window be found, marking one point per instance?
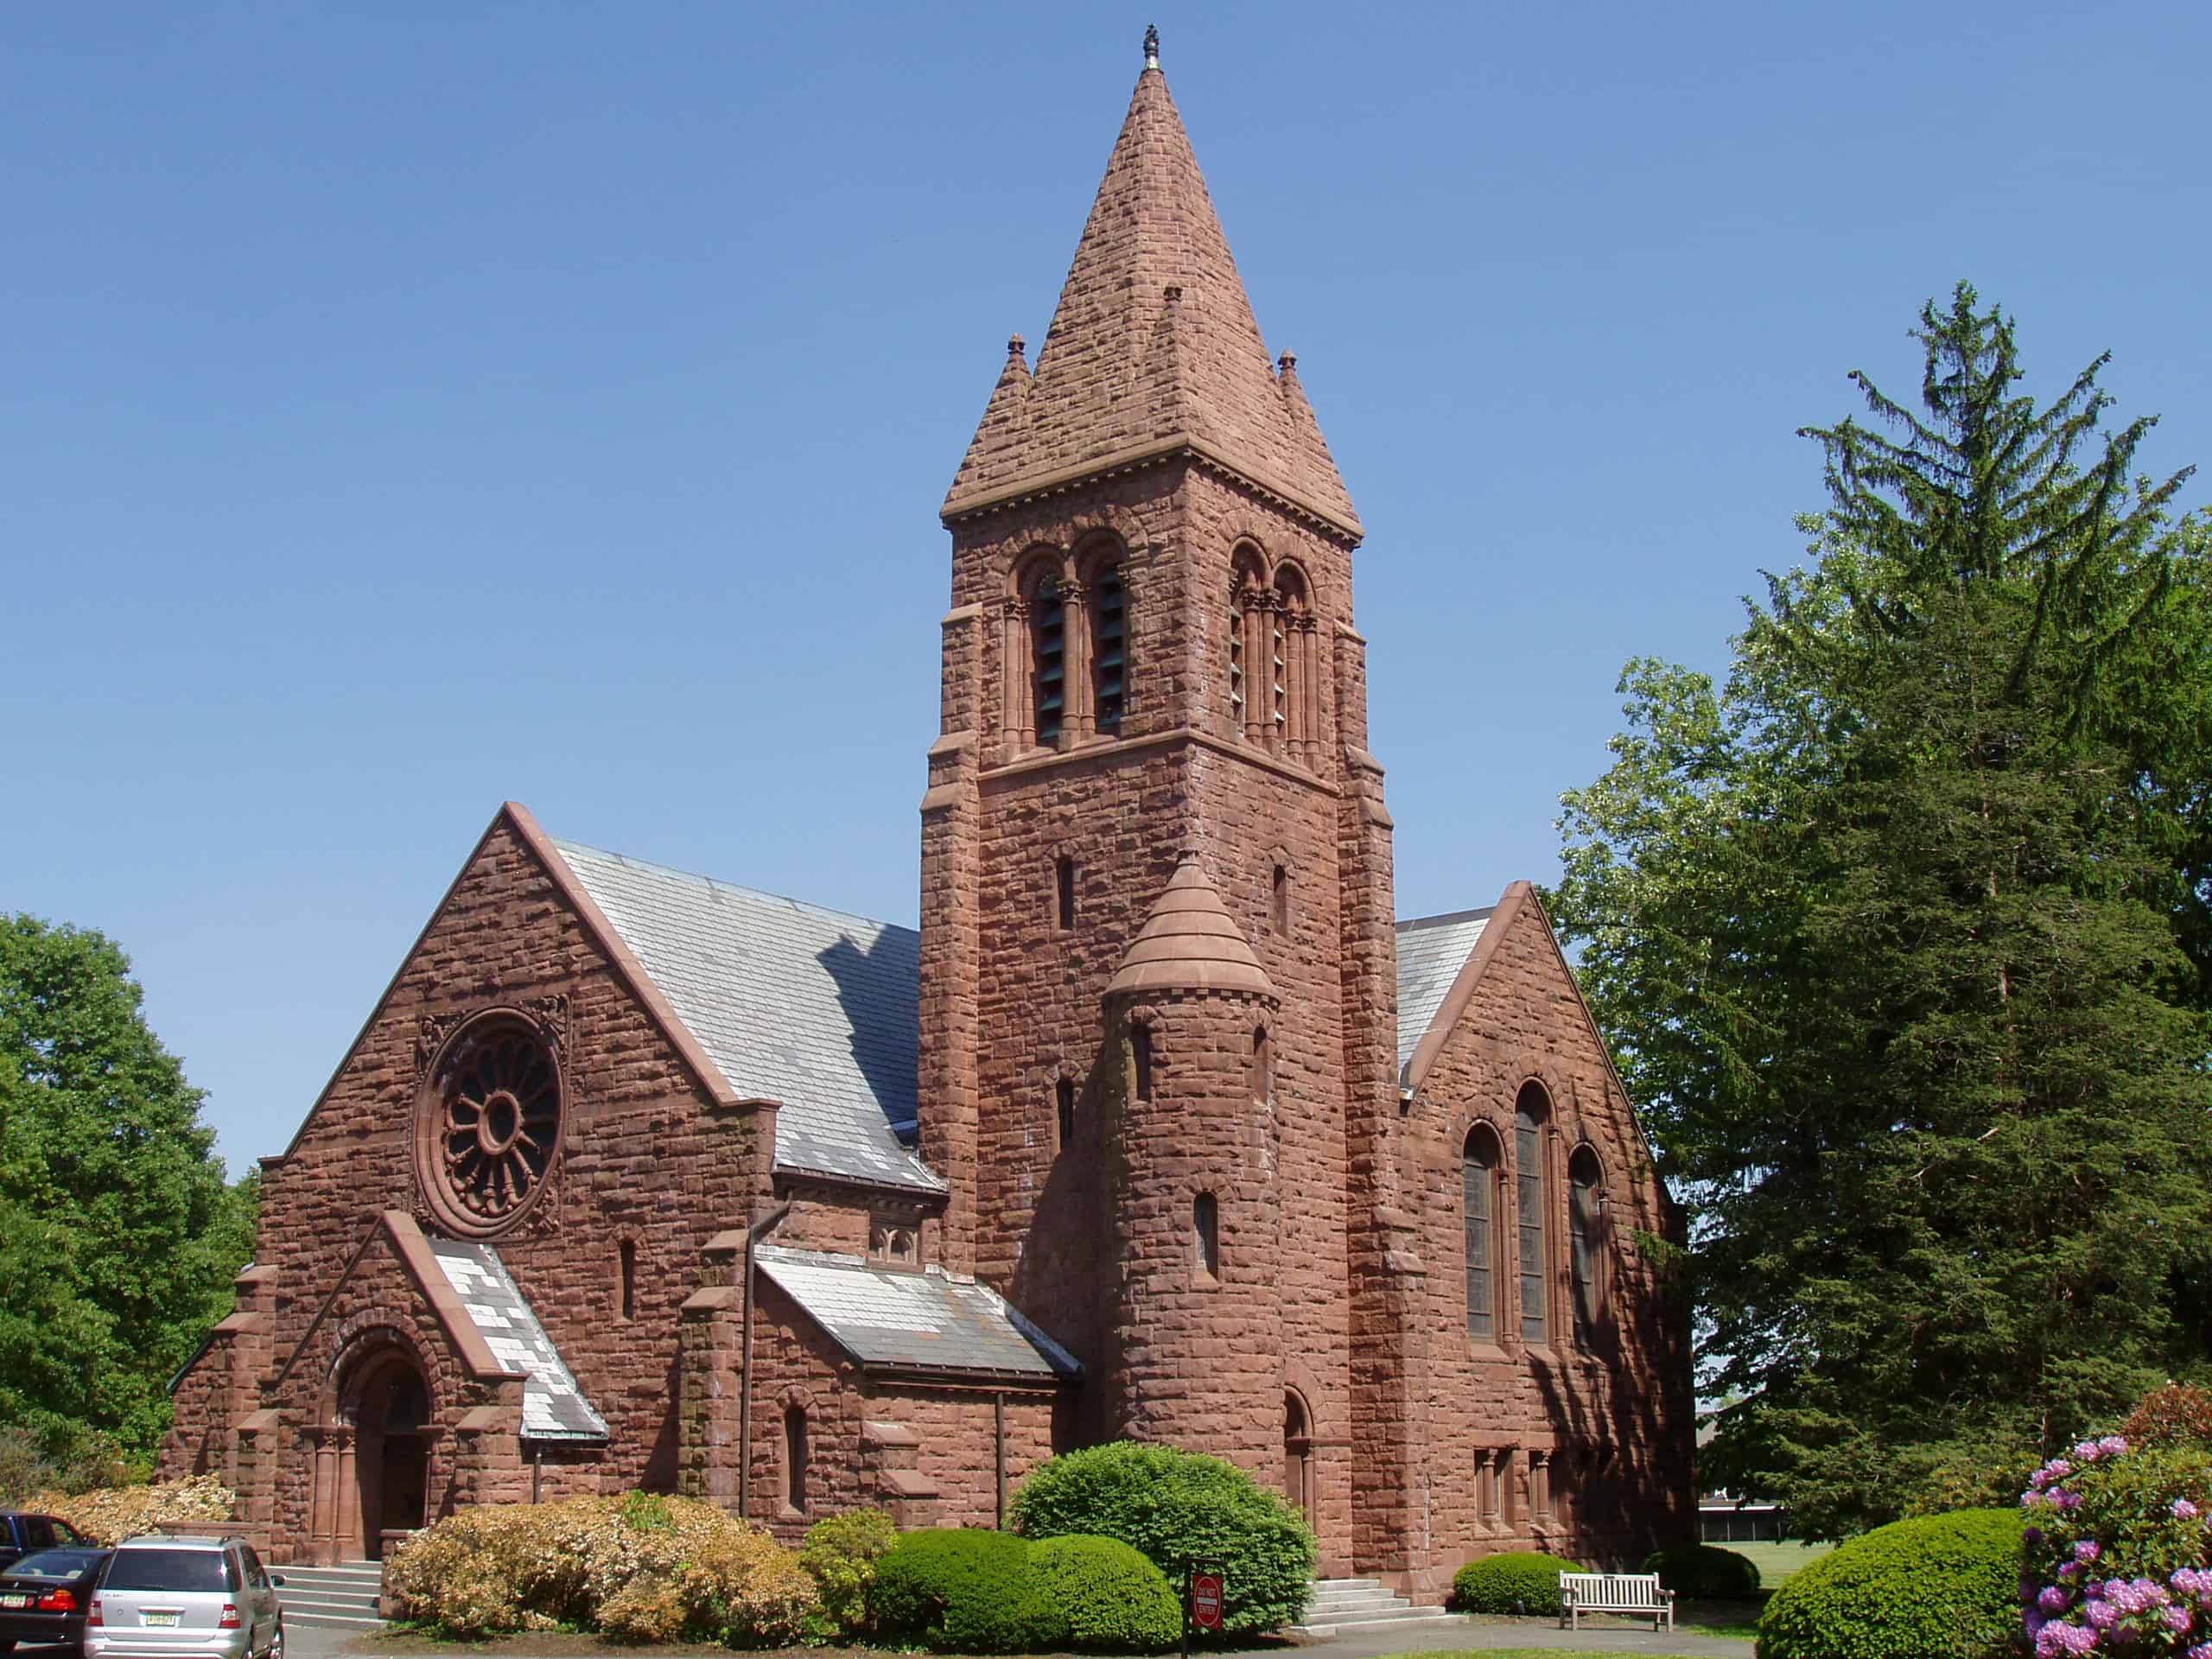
(1110, 634)
(626, 1277)
(795, 1459)
(1279, 708)
(1064, 1107)
(1262, 1075)
(1528, 1115)
(1540, 1486)
(1141, 1059)
(1205, 1228)
(1478, 1163)
(1278, 901)
(1048, 626)
(1584, 1221)
(1486, 1488)
(1063, 892)
(1237, 668)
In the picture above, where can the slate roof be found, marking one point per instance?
(1431, 951)
(810, 1007)
(553, 1406)
(1154, 339)
(914, 1321)
(1189, 942)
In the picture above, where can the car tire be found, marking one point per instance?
(277, 1642)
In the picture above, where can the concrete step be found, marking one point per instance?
(331, 1621)
(1373, 1622)
(343, 1597)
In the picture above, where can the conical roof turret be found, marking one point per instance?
(1153, 346)
(1190, 943)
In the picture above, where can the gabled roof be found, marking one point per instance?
(910, 1322)
(1153, 346)
(1189, 942)
(812, 1008)
(553, 1406)
(1431, 951)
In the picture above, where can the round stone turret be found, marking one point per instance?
(1189, 942)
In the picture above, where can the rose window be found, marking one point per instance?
(498, 1123)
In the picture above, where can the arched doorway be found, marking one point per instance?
(1297, 1454)
(372, 1475)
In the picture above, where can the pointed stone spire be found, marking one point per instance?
(1189, 942)
(1126, 369)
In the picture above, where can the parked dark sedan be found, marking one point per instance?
(43, 1597)
(21, 1534)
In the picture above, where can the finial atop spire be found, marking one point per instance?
(1151, 46)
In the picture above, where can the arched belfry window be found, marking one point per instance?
(1586, 1212)
(1109, 648)
(1481, 1168)
(1248, 609)
(1048, 652)
(1292, 713)
(1531, 1114)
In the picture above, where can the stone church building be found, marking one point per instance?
(1163, 1125)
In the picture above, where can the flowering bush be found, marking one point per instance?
(639, 1568)
(2117, 1555)
(111, 1514)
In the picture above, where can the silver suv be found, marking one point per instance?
(168, 1596)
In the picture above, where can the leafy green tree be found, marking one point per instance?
(1900, 935)
(118, 1234)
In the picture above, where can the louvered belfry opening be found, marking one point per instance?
(1049, 635)
(1109, 646)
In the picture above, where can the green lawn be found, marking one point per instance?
(1776, 1562)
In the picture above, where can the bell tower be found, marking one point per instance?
(1158, 1049)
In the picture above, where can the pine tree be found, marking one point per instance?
(1892, 936)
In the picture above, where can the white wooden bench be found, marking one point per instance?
(1613, 1592)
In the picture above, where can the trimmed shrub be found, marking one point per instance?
(1170, 1505)
(1493, 1584)
(963, 1589)
(1705, 1572)
(1114, 1600)
(643, 1567)
(2176, 1414)
(1942, 1586)
(108, 1515)
(840, 1555)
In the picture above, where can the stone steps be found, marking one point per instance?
(1350, 1604)
(343, 1597)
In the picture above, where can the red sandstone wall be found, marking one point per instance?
(1624, 1398)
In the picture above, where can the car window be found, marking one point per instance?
(56, 1564)
(38, 1533)
(256, 1574)
(168, 1569)
(65, 1534)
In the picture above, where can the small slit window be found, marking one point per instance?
(1064, 893)
(1263, 1077)
(1205, 1228)
(1278, 900)
(1140, 1060)
(1064, 1108)
(795, 1451)
(1110, 634)
(626, 1277)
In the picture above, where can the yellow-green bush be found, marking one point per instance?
(639, 1569)
(840, 1555)
(108, 1515)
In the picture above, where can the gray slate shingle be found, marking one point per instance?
(1431, 951)
(812, 1008)
(553, 1406)
(923, 1321)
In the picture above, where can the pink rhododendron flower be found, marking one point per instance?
(2183, 1509)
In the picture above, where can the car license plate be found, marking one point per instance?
(161, 1621)
(15, 1601)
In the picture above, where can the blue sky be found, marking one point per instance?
(404, 407)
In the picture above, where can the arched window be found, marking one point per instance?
(1291, 619)
(1530, 1112)
(1064, 1107)
(1585, 1183)
(1297, 1453)
(795, 1459)
(1109, 647)
(1205, 1228)
(1248, 610)
(1048, 656)
(1479, 1170)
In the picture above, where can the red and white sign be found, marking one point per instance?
(1205, 1601)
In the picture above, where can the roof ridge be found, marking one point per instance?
(700, 876)
(1406, 924)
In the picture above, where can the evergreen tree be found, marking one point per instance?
(1894, 937)
(118, 1235)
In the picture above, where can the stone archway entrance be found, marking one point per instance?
(1297, 1454)
(372, 1463)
